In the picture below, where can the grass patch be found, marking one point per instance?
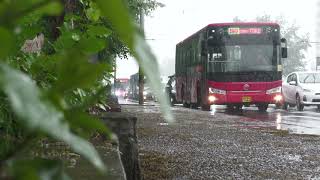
(275, 132)
(280, 132)
(155, 165)
(145, 131)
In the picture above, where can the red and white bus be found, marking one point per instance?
(231, 64)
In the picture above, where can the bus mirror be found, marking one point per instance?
(284, 49)
(284, 52)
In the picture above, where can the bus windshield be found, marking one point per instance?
(242, 58)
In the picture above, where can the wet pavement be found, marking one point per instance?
(219, 144)
(295, 122)
(132, 102)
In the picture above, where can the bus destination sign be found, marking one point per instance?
(237, 30)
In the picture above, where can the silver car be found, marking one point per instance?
(301, 89)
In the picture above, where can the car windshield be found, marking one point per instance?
(309, 78)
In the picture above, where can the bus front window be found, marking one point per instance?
(242, 58)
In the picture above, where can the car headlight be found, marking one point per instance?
(274, 90)
(307, 90)
(217, 91)
(118, 93)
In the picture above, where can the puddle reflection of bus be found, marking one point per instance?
(231, 64)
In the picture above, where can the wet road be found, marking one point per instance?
(219, 144)
(293, 121)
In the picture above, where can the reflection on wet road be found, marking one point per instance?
(307, 122)
(295, 122)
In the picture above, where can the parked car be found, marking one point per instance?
(301, 89)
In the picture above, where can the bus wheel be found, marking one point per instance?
(278, 106)
(194, 105)
(172, 99)
(186, 105)
(205, 107)
(238, 107)
(230, 107)
(263, 107)
(285, 106)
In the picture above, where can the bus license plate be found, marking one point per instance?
(246, 99)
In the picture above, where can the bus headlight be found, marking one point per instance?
(212, 99)
(118, 93)
(217, 91)
(274, 90)
(278, 98)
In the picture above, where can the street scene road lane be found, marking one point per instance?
(219, 144)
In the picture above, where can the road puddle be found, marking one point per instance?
(295, 122)
(299, 123)
(163, 124)
(253, 119)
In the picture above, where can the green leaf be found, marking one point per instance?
(65, 41)
(93, 13)
(75, 71)
(75, 37)
(123, 25)
(38, 169)
(148, 62)
(98, 31)
(80, 119)
(118, 14)
(89, 101)
(7, 40)
(40, 115)
(92, 45)
(53, 8)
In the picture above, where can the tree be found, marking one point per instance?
(46, 94)
(298, 42)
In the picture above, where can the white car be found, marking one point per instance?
(301, 89)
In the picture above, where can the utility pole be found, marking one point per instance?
(115, 83)
(141, 75)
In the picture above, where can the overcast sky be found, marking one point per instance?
(171, 24)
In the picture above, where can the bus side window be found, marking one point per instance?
(237, 53)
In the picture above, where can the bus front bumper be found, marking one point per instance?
(245, 98)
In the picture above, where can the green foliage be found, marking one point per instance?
(48, 93)
(7, 42)
(30, 108)
(38, 169)
(147, 6)
(139, 47)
